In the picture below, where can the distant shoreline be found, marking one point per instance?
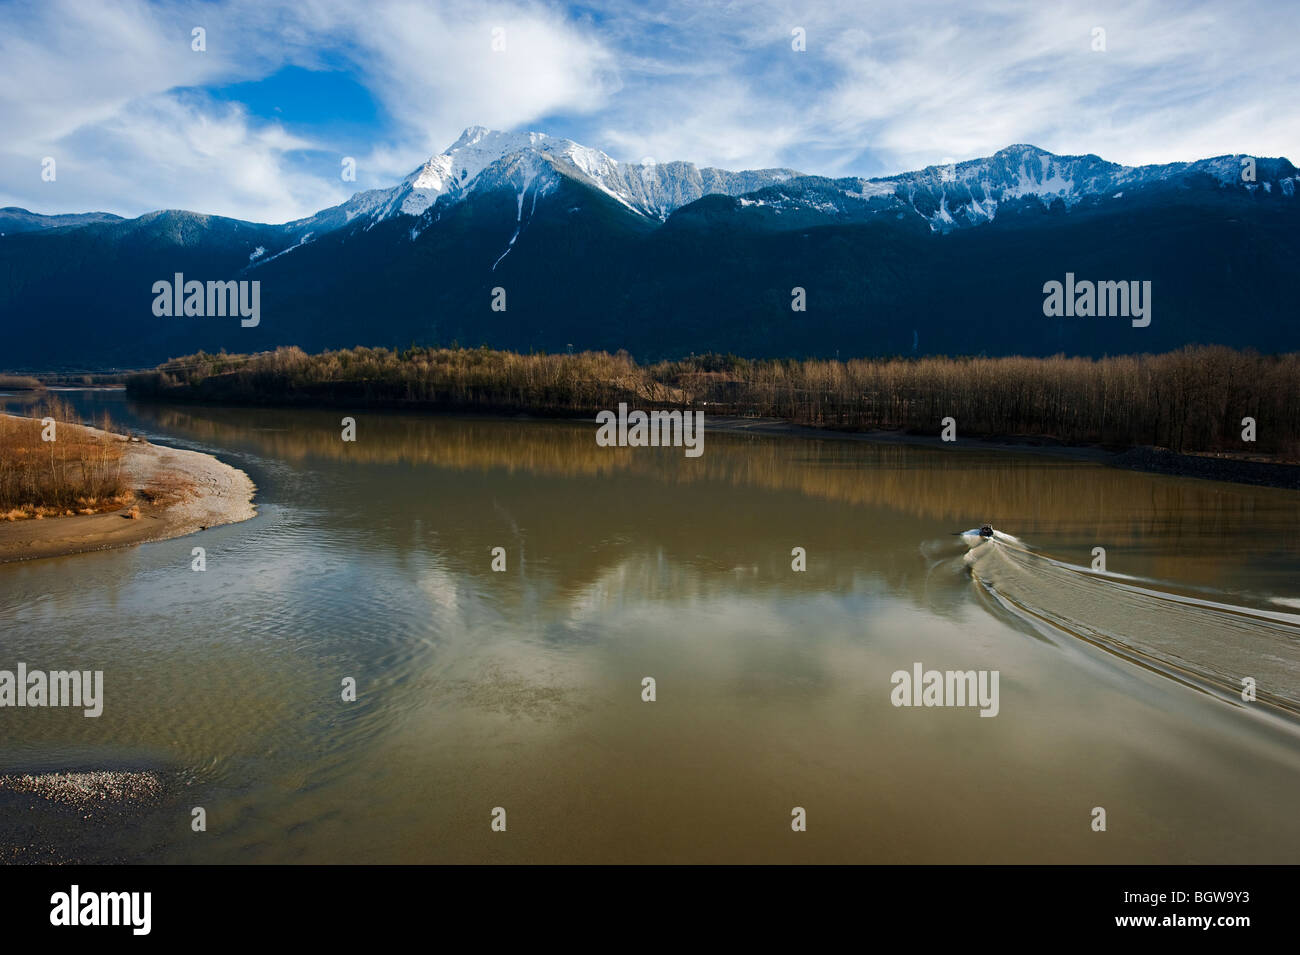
(1256, 469)
(213, 494)
(1224, 414)
(1235, 470)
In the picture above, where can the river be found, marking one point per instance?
(521, 689)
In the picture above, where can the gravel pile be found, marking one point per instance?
(90, 790)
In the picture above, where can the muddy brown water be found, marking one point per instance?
(523, 689)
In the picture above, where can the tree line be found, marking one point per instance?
(1193, 399)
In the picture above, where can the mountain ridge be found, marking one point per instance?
(949, 195)
(944, 260)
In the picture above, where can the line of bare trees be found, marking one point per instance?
(1194, 399)
(77, 472)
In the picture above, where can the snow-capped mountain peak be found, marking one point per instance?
(456, 169)
(955, 195)
(648, 188)
(947, 196)
(483, 159)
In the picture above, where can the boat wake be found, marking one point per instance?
(1215, 646)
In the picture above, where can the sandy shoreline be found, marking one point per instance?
(217, 494)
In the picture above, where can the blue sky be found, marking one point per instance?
(255, 126)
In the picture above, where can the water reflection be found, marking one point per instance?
(1201, 527)
(522, 689)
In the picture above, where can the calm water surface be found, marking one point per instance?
(522, 689)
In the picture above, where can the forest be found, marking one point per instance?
(1196, 399)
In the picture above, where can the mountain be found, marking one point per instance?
(971, 193)
(14, 220)
(668, 258)
(484, 160)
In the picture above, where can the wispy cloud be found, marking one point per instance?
(115, 93)
(108, 91)
(882, 88)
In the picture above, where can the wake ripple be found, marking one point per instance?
(1206, 643)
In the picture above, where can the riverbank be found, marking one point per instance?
(781, 427)
(173, 492)
(1230, 468)
(1211, 467)
(1196, 401)
(1081, 409)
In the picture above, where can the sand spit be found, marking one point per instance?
(198, 492)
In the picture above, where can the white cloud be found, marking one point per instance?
(880, 89)
(205, 157)
(432, 70)
(907, 84)
(68, 65)
(98, 88)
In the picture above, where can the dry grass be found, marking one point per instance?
(168, 488)
(20, 383)
(1192, 400)
(77, 473)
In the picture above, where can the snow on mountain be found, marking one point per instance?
(483, 159)
(456, 170)
(373, 205)
(969, 193)
(652, 189)
(948, 197)
(14, 220)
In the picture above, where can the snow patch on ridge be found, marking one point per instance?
(953, 196)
